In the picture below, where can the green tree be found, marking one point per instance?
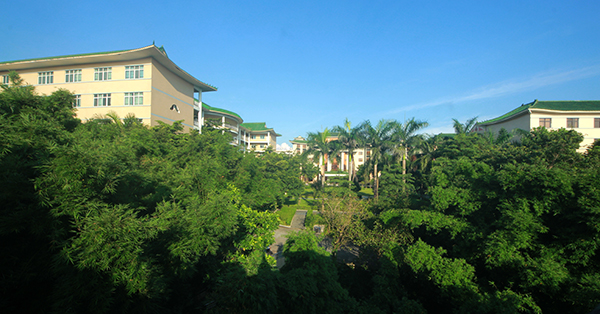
(378, 139)
(309, 281)
(516, 214)
(405, 138)
(343, 215)
(464, 128)
(322, 148)
(350, 139)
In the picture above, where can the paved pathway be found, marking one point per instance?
(347, 253)
(281, 236)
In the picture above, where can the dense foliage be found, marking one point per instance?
(110, 216)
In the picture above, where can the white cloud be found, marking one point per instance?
(511, 87)
(284, 147)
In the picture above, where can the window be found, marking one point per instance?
(597, 122)
(134, 98)
(72, 76)
(134, 71)
(262, 146)
(253, 137)
(5, 79)
(572, 123)
(360, 160)
(77, 101)
(102, 74)
(546, 122)
(262, 137)
(101, 100)
(46, 77)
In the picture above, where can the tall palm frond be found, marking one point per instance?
(467, 127)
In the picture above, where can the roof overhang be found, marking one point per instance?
(564, 112)
(518, 114)
(124, 55)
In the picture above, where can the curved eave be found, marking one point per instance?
(536, 110)
(219, 113)
(263, 131)
(123, 55)
(518, 114)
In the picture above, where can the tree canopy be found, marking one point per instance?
(112, 216)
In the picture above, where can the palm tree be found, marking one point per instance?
(349, 138)
(460, 128)
(405, 138)
(424, 153)
(378, 139)
(320, 147)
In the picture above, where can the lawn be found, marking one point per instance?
(286, 213)
(366, 192)
(291, 204)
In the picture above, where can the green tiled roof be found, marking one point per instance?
(299, 141)
(166, 62)
(257, 127)
(204, 105)
(67, 56)
(559, 105)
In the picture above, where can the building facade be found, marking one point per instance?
(259, 136)
(143, 82)
(359, 157)
(248, 136)
(581, 116)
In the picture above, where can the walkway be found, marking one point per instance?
(281, 236)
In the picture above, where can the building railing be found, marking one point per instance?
(232, 127)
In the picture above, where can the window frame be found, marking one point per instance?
(5, 79)
(103, 74)
(596, 123)
(547, 122)
(76, 101)
(134, 72)
(105, 98)
(572, 123)
(73, 75)
(134, 99)
(45, 77)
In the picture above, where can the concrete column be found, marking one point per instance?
(201, 116)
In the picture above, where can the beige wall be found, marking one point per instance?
(117, 87)
(169, 89)
(521, 122)
(559, 120)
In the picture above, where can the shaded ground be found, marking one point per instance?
(281, 236)
(347, 253)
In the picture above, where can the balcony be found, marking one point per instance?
(232, 127)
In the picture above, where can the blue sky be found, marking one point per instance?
(301, 66)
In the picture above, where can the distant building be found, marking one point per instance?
(360, 156)
(259, 137)
(249, 136)
(143, 82)
(581, 116)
